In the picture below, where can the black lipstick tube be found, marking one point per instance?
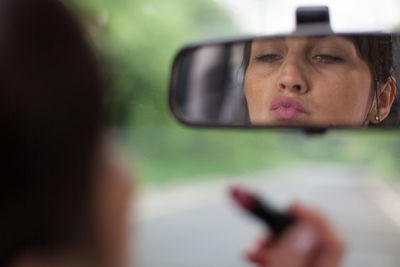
(275, 220)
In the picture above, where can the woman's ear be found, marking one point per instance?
(386, 95)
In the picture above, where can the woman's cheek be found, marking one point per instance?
(257, 90)
(338, 105)
(112, 199)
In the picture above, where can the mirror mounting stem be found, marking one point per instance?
(313, 20)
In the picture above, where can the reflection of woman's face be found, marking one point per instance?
(313, 81)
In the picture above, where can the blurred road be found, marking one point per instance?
(197, 226)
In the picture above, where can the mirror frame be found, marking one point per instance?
(174, 76)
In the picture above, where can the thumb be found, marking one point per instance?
(296, 247)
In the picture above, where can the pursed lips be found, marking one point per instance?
(287, 108)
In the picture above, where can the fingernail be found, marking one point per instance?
(305, 239)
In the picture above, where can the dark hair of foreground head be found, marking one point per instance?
(51, 116)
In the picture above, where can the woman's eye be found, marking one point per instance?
(269, 58)
(327, 59)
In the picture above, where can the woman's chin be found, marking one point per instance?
(278, 122)
(301, 122)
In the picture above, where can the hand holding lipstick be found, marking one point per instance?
(309, 242)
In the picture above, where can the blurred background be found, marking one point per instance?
(185, 217)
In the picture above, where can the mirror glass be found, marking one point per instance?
(340, 80)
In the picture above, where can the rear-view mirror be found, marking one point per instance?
(298, 80)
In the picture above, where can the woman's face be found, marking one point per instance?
(308, 81)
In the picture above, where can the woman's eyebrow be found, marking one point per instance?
(280, 38)
(260, 43)
(334, 39)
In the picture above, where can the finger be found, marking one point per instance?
(296, 247)
(259, 251)
(331, 246)
(331, 252)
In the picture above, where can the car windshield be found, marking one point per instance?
(185, 216)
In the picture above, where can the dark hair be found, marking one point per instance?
(376, 50)
(51, 96)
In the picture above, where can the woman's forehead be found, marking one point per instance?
(332, 40)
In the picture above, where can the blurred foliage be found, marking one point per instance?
(138, 40)
(177, 154)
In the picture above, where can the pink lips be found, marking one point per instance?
(287, 108)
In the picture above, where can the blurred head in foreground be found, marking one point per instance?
(63, 194)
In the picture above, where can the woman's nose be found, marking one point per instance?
(292, 78)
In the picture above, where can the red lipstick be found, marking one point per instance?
(287, 108)
(275, 220)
